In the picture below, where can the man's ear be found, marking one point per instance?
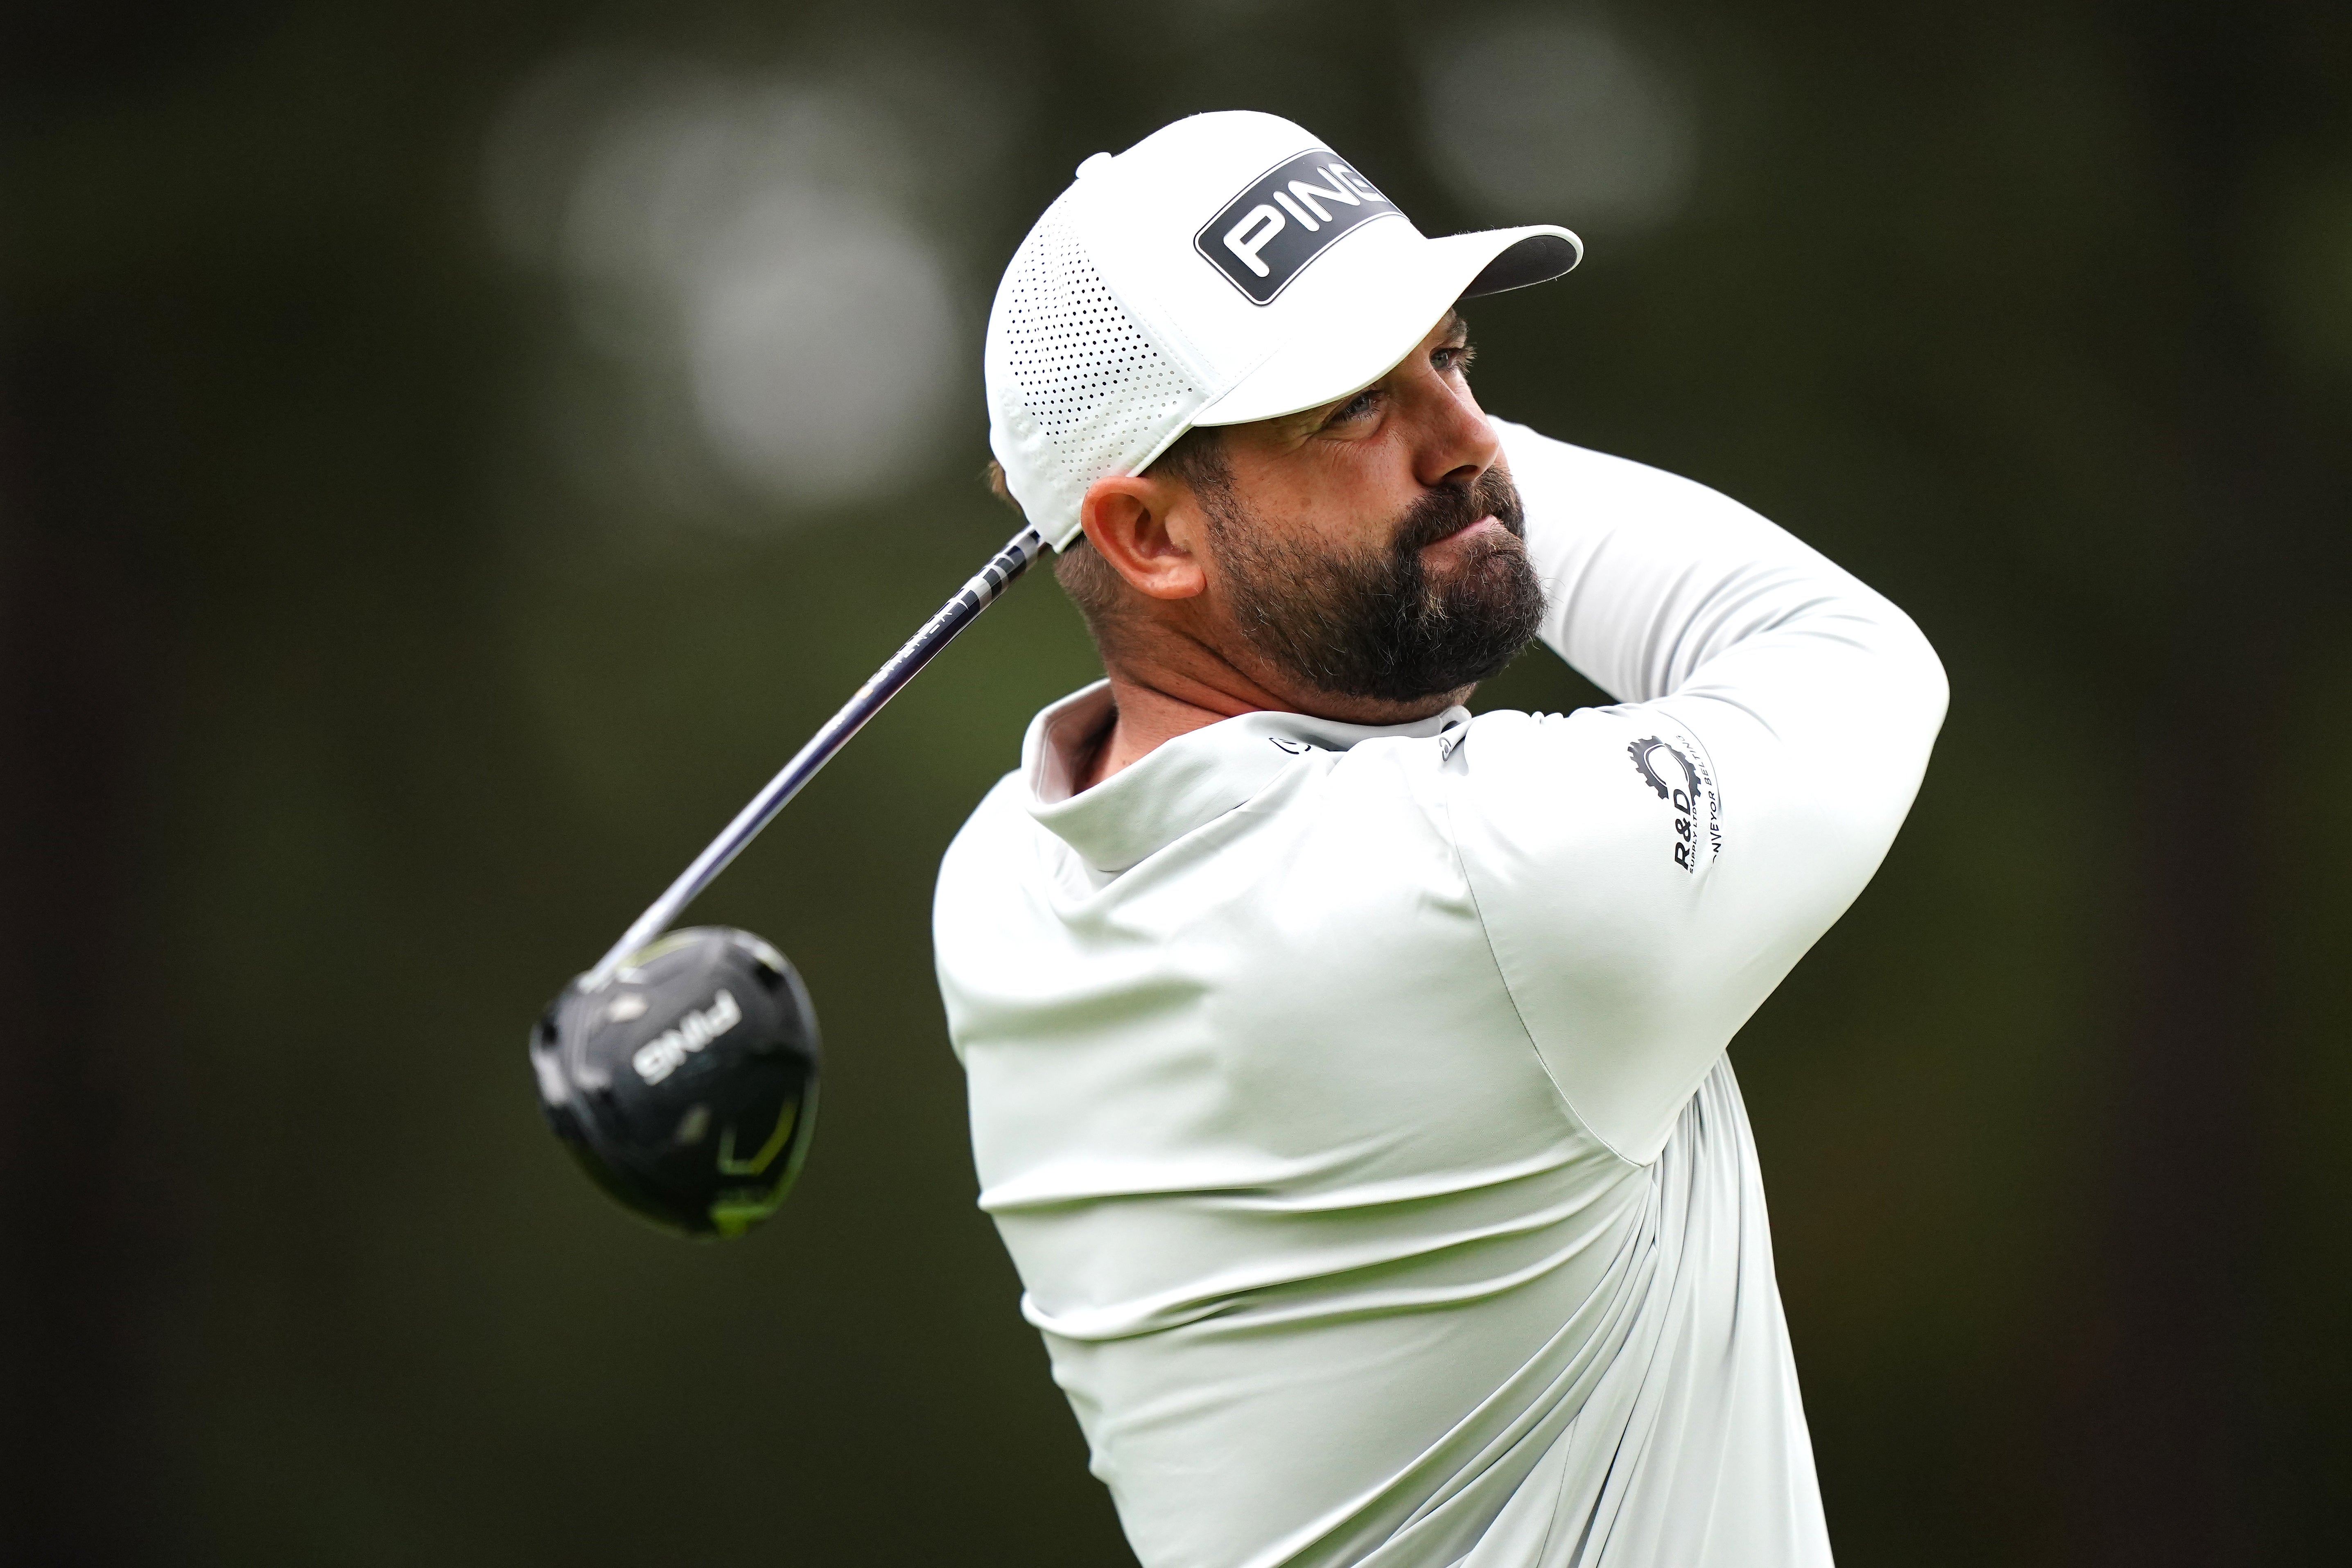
(1126, 519)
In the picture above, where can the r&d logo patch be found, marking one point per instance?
(1287, 218)
(1680, 775)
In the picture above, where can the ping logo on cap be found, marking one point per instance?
(1287, 218)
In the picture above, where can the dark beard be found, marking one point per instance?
(1374, 625)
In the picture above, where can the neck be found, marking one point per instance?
(1156, 700)
(1144, 718)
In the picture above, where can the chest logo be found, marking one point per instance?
(1289, 216)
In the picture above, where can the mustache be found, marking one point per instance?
(1448, 509)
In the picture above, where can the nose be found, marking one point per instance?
(1455, 443)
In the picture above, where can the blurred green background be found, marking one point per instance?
(449, 454)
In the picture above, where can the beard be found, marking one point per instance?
(1377, 625)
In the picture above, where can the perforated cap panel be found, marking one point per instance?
(1079, 389)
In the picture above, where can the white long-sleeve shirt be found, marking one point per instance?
(1353, 1101)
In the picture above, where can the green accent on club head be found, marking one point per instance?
(729, 1165)
(732, 1219)
(739, 1209)
(669, 942)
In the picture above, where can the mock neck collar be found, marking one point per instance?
(1183, 784)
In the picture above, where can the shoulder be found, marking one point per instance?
(996, 886)
(1622, 786)
(1589, 840)
(998, 827)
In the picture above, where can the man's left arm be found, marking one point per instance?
(1648, 872)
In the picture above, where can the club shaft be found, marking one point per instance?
(1016, 557)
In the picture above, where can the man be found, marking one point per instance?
(1347, 1072)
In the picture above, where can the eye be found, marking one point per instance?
(1453, 358)
(1357, 407)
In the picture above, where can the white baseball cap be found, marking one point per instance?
(1224, 269)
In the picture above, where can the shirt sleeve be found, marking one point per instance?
(1648, 872)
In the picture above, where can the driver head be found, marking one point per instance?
(687, 1084)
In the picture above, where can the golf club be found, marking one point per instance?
(682, 1071)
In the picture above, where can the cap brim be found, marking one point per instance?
(1371, 315)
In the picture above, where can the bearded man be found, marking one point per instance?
(1347, 1072)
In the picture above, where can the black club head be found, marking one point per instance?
(686, 1084)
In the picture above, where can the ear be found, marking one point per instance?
(1126, 519)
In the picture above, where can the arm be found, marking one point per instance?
(1649, 872)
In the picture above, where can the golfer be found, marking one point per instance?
(1348, 1074)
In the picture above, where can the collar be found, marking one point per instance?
(1183, 784)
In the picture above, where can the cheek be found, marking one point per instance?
(1349, 500)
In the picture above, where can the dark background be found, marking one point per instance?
(378, 631)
